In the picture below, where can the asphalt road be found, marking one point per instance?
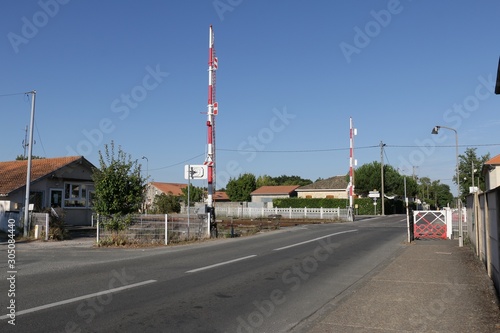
(265, 283)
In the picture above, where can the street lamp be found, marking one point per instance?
(435, 130)
(147, 177)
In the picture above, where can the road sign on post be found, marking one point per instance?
(195, 172)
(374, 194)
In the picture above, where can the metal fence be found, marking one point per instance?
(291, 213)
(153, 229)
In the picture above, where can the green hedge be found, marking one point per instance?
(365, 205)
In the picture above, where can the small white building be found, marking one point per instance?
(266, 194)
(491, 171)
(330, 188)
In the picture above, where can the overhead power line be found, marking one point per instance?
(447, 146)
(294, 151)
(13, 94)
(179, 163)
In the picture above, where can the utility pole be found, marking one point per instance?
(382, 145)
(28, 172)
(408, 232)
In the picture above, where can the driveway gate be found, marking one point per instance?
(429, 224)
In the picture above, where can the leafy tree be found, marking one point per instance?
(164, 204)
(196, 194)
(239, 189)
(411, 186)
(119, 186)
(368, 178)
(291, 180)
(469, 165)
(393, 181)
(423, 188)
(266, 180)
(24, 158)
(441, 195)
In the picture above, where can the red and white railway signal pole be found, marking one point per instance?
(213, 110)
(352, 163)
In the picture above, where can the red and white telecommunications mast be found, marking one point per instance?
(352, 163)
(212, 112)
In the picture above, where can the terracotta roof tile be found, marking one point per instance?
(173, 188)
(283, 189)
(13, 173)
(493, 161)
(332, 183)
(220, 196)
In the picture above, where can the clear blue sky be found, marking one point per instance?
(291, 73)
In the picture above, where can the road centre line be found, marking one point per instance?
(80, 298)
(220, 264)
(314, 240)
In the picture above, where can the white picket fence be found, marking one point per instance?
(290, 213)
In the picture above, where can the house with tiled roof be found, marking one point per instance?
(220, 196)
(330, 188)
(64, 182)
(491, 172)
(266, 194)
(157, 188)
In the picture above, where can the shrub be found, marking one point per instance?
(116, 222)
(57, 229)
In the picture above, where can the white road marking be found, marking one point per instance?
(314, 240)
(220, 264)
(80, 298)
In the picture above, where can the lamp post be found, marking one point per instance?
(435, 130)
(147, 177)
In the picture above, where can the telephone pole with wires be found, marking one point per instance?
(28, 172)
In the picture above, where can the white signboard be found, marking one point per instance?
(374, 194)
(195, 172)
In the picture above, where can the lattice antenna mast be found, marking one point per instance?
(212, 112)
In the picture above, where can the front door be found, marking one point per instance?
(56, 196)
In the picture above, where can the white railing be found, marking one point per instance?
(291, 213)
